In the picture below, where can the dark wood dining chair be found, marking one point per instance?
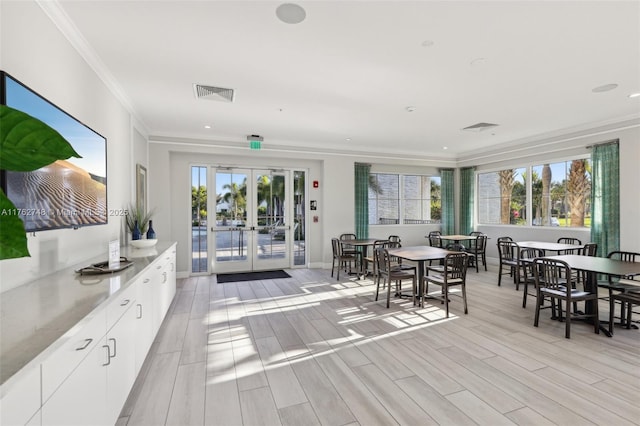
(617, 285)
(527, 256)
(390, 274)
(454, 274)
(509, 257)
(339, 257)
(348, 249)
(478, 249)
(551, 285)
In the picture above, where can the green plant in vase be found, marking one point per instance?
(136, 214)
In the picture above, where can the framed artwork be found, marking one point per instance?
(141, 188)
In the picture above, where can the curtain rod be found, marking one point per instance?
(611, 142)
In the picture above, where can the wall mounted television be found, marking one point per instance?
(68, 193)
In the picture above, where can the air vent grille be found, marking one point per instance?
(479, 127)
(213, 93)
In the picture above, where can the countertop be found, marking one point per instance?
(34, 316)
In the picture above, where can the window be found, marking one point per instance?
(553, 194)
(561, 194)
(502, 197)
(406, 199)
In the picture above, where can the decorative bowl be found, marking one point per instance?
(143, 243)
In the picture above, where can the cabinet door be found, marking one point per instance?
(167, 283)
(145, 320)
(81, 398)
(121, 371)
(20, 397)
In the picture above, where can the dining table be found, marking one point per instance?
(458, 239)
(546, 246)
(593, 266)
(419, 255)
(365, 243)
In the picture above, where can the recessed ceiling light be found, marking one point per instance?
(445, 147)
(635, 95)
(477, 62)
(348, 139)
(207, 126)
(290, 13)
(604, 88)
(411, 108)
(427, 43)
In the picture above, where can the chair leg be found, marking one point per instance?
(596, 318)
(464, 297)
(537, 316)
(445, 291)
(389, 293)
(499, 274)
(612, 306)
(484, 261)
(567, 320)
(377, 287)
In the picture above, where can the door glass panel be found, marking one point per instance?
(299, 252)
(199, 258)
(270, 213)
(231, 216)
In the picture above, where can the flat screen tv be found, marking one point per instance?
(68, 193)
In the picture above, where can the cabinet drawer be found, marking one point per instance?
(119, 305)
(79, 341)
(21, 399)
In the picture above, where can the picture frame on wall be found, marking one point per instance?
(141, 188)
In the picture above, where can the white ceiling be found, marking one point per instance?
(351, 68)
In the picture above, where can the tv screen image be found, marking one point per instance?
(67, 193)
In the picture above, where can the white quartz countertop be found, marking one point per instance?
(35, 315)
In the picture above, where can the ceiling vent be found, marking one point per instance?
(213, 93)
(479, 127)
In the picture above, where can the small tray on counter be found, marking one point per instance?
(103, 267)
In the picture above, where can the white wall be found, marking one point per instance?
(36, 53)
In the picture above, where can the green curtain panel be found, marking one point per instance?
(467, 192)
(362, 199)
(605, 197)
(448, 217)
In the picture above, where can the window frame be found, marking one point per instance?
(401, 220)
(528, 167)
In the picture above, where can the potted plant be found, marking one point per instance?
(135, 215)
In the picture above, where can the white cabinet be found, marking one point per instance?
(121, 369)
(145, 328)
(87, 378)
(80, 399)
(20, 405)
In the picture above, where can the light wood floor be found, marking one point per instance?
(311, 350)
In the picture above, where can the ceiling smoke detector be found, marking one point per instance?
(213, 93)
(480, 127)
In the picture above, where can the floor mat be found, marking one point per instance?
(251, 276)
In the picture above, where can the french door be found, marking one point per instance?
(251, 230)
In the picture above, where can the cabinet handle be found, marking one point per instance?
(87, 342)
(139, 311)
(108, 355)
(146, 280)
(165, 277)
(125, 302)
(114, 348)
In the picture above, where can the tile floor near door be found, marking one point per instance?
(311, 350)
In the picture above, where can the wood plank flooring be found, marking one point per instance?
(312, 350)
